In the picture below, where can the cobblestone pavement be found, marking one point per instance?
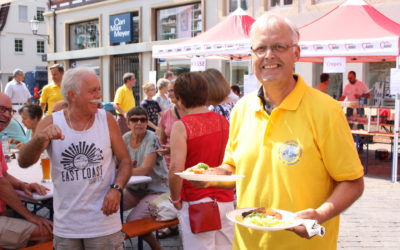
(372, 222)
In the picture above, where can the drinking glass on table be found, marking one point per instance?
(45, 162)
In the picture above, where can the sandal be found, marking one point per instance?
(167, 232)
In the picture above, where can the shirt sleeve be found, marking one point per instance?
(341, 166)
(365, 89)
(151, 143)
(8, 90)
(44, 96)
(27, 93)
(118, 96)
(230, 148)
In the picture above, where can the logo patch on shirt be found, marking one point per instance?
(82, 161)
(290, 153)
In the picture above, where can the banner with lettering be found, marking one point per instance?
(334, 64)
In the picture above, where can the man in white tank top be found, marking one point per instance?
(87, 187)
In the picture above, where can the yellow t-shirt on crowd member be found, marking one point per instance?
(124, 98)
(291, 160)
(51, 93)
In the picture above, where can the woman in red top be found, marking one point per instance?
(200, 136)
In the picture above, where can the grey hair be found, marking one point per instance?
(17, 72)
(73, 79)
(127, 76)
(272, 21)
(162, 82)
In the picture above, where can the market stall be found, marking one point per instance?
(358, 32)
(229, 40)
(355, 30)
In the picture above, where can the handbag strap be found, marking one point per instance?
(177, 113)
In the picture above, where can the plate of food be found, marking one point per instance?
(198, 173)
(265, 219)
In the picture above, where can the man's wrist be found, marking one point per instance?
(22, 185)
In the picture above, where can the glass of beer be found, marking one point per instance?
(45, 162)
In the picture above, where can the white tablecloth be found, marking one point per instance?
(34, 174)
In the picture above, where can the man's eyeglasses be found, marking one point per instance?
(3, 109)
(276, 48)
(135, 120)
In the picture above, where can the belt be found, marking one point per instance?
(18, 103)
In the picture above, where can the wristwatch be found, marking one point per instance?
(117, 187)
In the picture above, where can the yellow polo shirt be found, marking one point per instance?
(124, 98)
(51, 93)
(290, 160)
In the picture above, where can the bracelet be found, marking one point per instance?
(174, 202)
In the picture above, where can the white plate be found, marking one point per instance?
(286, 216)
(209, 177)
(14, 150)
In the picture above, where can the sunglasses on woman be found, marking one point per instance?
(135, 120)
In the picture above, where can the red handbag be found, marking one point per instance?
(204, 217)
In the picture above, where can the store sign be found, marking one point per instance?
(197, 63)
(334, 64)
(121, 28)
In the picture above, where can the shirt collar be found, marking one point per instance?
(291, 102)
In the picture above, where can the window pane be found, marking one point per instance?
(84, 35)
(233, 5)
(179, 22)
(135, 20)
(18, 45)
(40, 46)
(287, 2)
(39, 14)
(23, 13)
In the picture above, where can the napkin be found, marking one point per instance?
(313, 228)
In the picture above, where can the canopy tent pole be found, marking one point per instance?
(396, 130)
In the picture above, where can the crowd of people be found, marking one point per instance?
(286, 147)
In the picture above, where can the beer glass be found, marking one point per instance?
(45, 162)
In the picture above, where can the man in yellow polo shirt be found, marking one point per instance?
(51, 93)
(124, 100)
(293, 145)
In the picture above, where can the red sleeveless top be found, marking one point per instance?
(207, 135)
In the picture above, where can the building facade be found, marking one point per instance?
(19, 48)
(116, 36)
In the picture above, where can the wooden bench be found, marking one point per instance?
(144, 226)
(131, 229)
(43, 246)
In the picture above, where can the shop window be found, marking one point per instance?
(281, 3)
(233, 4)
(19, 45)
(84, 35)
(40, 46)
(179, 22)
(22, 13)
(39, 14)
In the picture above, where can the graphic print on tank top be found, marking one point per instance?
(81, 161)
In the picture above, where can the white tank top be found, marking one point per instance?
(83, 168)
